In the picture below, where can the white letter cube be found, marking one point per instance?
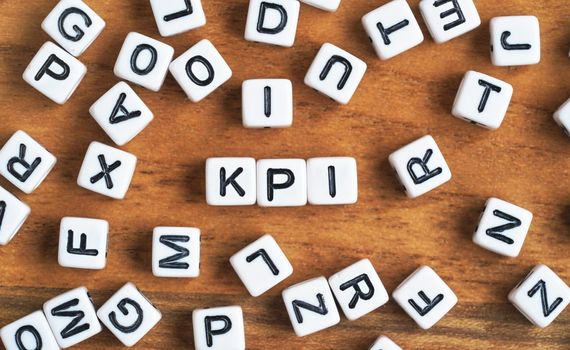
(231, 181)
(420, 166)
(482, 100)
(281, 182)
(13, 214)
(541, 296)
(121, 113)
(503, 227)
(425, 297)
(143, 61)
(261, 265)
(384, 343)
(326, 5)
(107, 170)
(176, 252)
(358, 289)
(332, 180)
(24, 162)
(83, 243)
(71, 317)
(311, 306)
(272, 22)
(54, 73)
(335, 73)
(392, 29)
(30, 332)
(73, 25)
(129, 315)
(218, 328)
(200, 70)
(178, 16)
(267, 103)
(562, 117)
(448, 19)
(515, 40)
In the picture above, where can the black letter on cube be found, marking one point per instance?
(21, 161)
(71, 329)
(495, 232)
(359, 294)
(224, 183)
(505, 35)
(321, 309)
(82, 250)
(347, 70)
(456, 9)
(45, 69)
(546, 309)
(186, 12)
(171, 261)
(430, 303)
(387, 31)
(35, 334)
(105, 172)
(267, 101)
(263, 254)
(261, 19)
(427, 174)
(208, 320)
(207, 65)
(119, 107)
(271, 186)
(122, 307)
(78, 32)
(488, 88)
(154, 57)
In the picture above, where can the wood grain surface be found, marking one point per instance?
(526, 161)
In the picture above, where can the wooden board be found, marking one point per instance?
(526, 162)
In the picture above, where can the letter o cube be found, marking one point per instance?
(30, 332)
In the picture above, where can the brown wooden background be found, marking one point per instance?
(526, 161)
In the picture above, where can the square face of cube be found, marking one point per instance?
(503, 227)
(515, 40)
(311, 306)
(335, 73)
(219, 328)
(272, 22)
(420, 166)
(107, 170)
(448, 19)
(54, 73)
(332, 180)
(541, 296)
(358, 289)
(179, 16)
(13, 214)
(200, 70)
(129, 315)
(482, 100)
(30, 332)
(71, 317)
(326, 5)
(261, 265)
(83, 243)
(176, 252)
(384, 343)
(121, 113)
(562, 117)
(143, 61)
(73, 25)
(267, 103)
(281, 182)
(231, 181)
(392, 29)
(425, 297)
(24, 162)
